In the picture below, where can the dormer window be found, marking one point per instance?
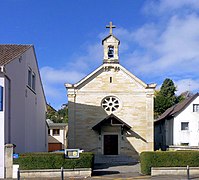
(110, 52)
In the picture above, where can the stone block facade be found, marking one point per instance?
(118, 103)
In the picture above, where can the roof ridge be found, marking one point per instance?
(16, 44)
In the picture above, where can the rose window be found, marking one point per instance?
(110, 103)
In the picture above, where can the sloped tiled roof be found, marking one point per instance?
(172, 111)
(9, 52)
(52, 140)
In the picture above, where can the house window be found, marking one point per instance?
(184, 126)
(33, 81)
(196, 108)
(29, 77)
(1, 98)
(56, 132)
(198, 125)
(48, 131)
(184, 144)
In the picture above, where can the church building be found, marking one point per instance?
(111, 110)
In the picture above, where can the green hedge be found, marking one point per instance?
(30, 161)
(168, 159)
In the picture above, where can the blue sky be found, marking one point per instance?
(159, 39)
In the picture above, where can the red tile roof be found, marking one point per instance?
(9, 52)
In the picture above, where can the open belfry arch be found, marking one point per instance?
(111, 110)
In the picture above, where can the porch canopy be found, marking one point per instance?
(111, 120)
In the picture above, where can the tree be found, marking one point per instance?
(165, 98)
(60, 116)
(51, 112)
(63, 114)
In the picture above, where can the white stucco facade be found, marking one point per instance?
(191, 135)
(23, 116)
(180, 125)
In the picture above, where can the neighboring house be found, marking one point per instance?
(57, 134)
(22, 101)
(111, 110)
(179, 125)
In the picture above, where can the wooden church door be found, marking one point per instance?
(110, 144)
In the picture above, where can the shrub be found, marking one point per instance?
(168, 159)
(30, 161)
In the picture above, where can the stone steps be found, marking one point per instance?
(114, 159)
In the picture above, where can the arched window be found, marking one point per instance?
(110, 51)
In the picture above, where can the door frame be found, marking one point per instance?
(110, 133)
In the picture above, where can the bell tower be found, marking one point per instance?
(111, 47)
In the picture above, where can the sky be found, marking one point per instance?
(159, 39)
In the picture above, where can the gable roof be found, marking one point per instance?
(177, 108)
(109, 37)
(9, 52)
(111, 120)
(103, 66)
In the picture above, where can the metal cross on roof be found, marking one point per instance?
(111, 26)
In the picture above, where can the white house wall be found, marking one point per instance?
(62, 135)
(15, 70)
(28, 128)
(38, 103)
(190, 136)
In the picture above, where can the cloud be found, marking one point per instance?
(187, 85)
(56, 76)
(177, 46)
(53, 82)
(169, 50)
(90, 55)
(167, 6)
(165, 46)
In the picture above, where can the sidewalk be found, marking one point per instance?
(121, 176)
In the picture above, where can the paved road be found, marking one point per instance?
(121, 176)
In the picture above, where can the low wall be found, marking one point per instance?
(82, 172)
(155, 171)
(177, 148)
